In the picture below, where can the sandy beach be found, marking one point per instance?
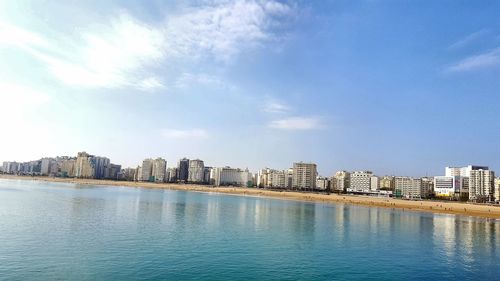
(458, 208)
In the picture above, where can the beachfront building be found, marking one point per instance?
(374, 184)
(84, 167)
(231, 176)
(444, 186)
(112, 171)
(408, 187)
(68, 168)
(497, 190)
(386, 183)
(171, 174)
(341, 181)
(360, 181)
(322, 183)
(47, 166)
(304, 176)
(183, 170)
(196, 171)
(159, 170)
(10, 167)
(481, 185)
(146, 170)
(127, 174)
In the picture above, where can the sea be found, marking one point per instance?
(62, 231)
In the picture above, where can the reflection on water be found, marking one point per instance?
(103, 232)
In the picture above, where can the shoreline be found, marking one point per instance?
(454, 208)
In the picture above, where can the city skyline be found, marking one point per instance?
(349, 86)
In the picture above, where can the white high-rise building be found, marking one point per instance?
(304, 176)
(481, 185)
(231, 176)
(361, 181)
(341, 181)
(497, 190)
(408, 187)
(146, 170)
(196, 171)
(374, 183)
(159, 170)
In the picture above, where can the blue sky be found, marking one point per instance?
(397, 87)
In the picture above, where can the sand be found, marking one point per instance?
(458, 208)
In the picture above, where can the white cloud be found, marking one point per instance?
(189, 79)
(125, 52)
(468, 39)
(476, 62)
(296, 123)
(225, 28)
(185, 134)
(150, 83)
(274, 106)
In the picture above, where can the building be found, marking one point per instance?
(497, 190)
(341, 181)
(462, 171)
(322, 184)
(68, 168)
(360, 181)
(231, 176)
(407, 187)
(159, 170)
(100, 164)
(183, 170)
(112, 171)
(127, 174)
(386, 183)
(171, 174)
(481, 185)
(147, 170)
(278, 179)
(47, 166)
(85, 166)
(445, 186)
(427, 189)
(10, 167)
(374, 184)
(304, 176)
(196, 171)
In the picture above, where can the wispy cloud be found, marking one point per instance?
(17, 99)
(187, 80)
(125, 52)
(296, 123)
(185, 134)
(274, 106)
(468, 39)
(488, 59)
(225, 28)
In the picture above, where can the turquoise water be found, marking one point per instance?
(52, 231)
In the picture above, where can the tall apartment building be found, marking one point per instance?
(278, 179)
(183, 170)
(322, 183)
(10, 167)
(304, 176)
(481, 185)
(196, 171)
(159, 170)
(231, 176)
(408, 187)
(147, 170)
(341, 181)
(47, 166)
(171, 174)
(84, 167)
(361, 181)
(68, 168)
(374, 183)
(497, 190)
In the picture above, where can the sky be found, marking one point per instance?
(395, 87)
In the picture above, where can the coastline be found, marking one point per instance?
(455, 208)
